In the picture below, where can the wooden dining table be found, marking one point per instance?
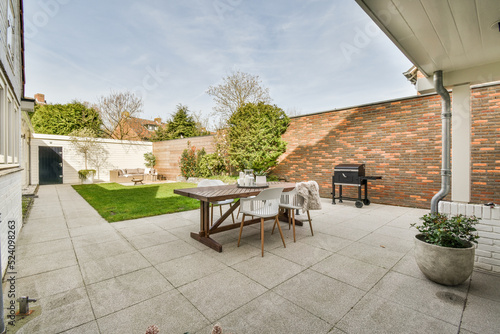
(206, 195)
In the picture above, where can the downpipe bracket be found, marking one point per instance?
(445, 172)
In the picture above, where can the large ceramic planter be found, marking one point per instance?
(89, 179)
(444, 265)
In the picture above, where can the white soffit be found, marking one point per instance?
(459, 37)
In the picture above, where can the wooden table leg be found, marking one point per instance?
(203, 235)
(207, 241)
(204, 218)
(283, 216)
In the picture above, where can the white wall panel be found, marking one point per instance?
(121, 154)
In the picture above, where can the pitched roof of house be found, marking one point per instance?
(142, 129)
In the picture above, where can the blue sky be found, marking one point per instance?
(313, 55)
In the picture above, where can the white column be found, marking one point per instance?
(461, 144)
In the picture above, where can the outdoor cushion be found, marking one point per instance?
(309, 191)
(133, 171)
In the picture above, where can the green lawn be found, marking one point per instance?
(116, 202)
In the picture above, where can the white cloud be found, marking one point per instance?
(88, 48)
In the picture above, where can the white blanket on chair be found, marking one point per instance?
(309, 191)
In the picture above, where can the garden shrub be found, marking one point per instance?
(211, 165)
(190, 161)
(255, 132)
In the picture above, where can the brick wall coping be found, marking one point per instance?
(188, 138)
(367, 104)
(43, 136)
(493, 83)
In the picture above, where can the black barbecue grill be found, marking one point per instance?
(351, 175)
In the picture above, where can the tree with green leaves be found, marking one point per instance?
(62, 119)
(161, 134)
(255, 136)
(182, 125)
(237, 89)
(150, 160)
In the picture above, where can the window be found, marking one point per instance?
(11, 33)
(151, 127)
(9, 130)
(3, 129)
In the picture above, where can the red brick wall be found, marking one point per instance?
(398, 140)
(485, 149)
(169, 152)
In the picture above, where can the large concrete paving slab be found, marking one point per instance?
(357, 274)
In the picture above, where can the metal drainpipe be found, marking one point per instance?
(446, 141)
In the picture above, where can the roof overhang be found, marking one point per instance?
(460, 38)
(27, 104)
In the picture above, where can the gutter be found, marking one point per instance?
(445, 140)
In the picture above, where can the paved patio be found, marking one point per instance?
(356, 275)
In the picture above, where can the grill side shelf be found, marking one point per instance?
(371, 177)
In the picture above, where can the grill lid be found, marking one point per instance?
(359, 169)
(349, 167)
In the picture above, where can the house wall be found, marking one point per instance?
(121, 154)
(485, 144)
(11, 91)
(12, 65)
(10, 211)
(169, 152)
(488, 248)
(399, 140)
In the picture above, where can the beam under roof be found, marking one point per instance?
(459, 37)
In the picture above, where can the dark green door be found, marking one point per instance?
(50, 165)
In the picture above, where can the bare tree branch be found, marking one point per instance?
(237, 89)
(85, 142)
(115, 109)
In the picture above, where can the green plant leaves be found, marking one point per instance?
(442, 230)
(255, 136)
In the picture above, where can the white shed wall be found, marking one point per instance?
(121, 154)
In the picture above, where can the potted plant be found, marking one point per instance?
(150, 163)
(444, 249)
(86, 175)
(150, 160)
(85, 142)
(260, 177)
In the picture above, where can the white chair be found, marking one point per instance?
(264, 205)
(210, 183)
(292, 201)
